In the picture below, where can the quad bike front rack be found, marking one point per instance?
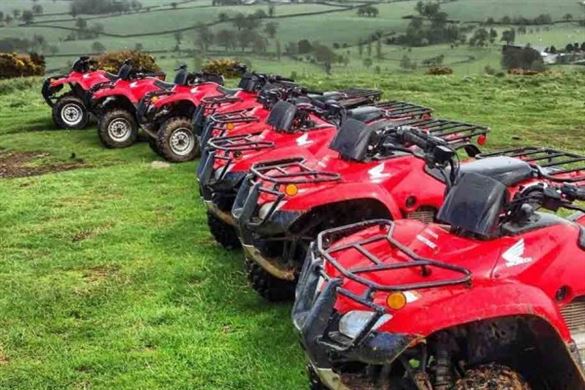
(238, 144)
(313, 309)
(552, 164)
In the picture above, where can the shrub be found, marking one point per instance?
(439, 70)
(21, 65)
(111, 61)
(223, 66)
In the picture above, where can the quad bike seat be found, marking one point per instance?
(366, 113)
(507, 170)
(111, 76)
(473, 204)
(125, 72)
(353, 139)
(282, 116)
(228, 91)
(164, 85)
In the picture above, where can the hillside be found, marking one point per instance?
(110, 278)
(162, 28)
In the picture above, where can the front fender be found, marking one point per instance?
(439, 309)
(342, 192)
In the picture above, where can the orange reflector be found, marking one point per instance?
(482, 139)
(154, 99)
(291, 190)
(396, 301)
(230, 126)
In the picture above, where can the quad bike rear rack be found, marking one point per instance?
(216, 100)
(354, 97)
(396, 109)
(454, 133)
(551, 164)
(300, 174)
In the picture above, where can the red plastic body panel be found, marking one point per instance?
(84, 80)
(190, 94)
(133, 90)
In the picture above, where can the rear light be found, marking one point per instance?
(482, 139)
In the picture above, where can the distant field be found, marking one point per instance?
(341, 26)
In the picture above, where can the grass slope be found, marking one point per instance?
(110, 279)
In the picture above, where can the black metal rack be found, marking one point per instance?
(215, 100)
(396, 109)
(238, 143)
(552, 164)
(326, 250)
(452, 132)
(276, 172)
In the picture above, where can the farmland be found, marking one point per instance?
(110, 279)
(154, 29)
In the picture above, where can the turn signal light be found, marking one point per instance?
(230, 126)
(154, 99)
(291, 190)
(396, 300)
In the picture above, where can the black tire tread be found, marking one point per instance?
(62, 101)
(106, 140)
(164, 133)
(223, 233)
(267, 286)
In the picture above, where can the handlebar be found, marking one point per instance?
(573, 192)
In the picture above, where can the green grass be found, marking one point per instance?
(110, 279)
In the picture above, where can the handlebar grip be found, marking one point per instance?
(409, 136)
(574, 192)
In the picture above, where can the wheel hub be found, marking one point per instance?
(72, 114)
(119, 130)
(182, 142)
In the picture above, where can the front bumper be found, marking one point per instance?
(316, 321)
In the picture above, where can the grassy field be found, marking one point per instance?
(341, 27)
(110, 279)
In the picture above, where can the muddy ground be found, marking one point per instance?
(23, 164)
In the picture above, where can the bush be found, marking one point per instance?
(21, 65)
(111, 61)
(523, 72)
(223, 66)
(439, 70)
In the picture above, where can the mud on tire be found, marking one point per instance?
(223, 233)
(117, 129)
(177, 141)
(69, 112)
(266, 285)
(492, 376)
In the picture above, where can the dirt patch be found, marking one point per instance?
(99, 273)
(22, 164)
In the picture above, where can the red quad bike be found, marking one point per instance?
(369, 172)
(166, 115)
(115, 103)
(491, 296)
(291, 129)
(69, 109)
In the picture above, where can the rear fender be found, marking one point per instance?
(176, 107)
(112, 101)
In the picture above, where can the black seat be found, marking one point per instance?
(507, 170)
(125, 71)
(282, 116)
(228, 91)
(164, 85)
(474, 204)
(353, 140)
(182, 76)
(111, 76)
(366, 113)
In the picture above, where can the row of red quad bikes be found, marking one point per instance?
(414, 259)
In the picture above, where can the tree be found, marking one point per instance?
(226, 38)
(368, 62)
(174, 5)
(522, 58)
(270, 29)
(37, 9)
(204, 37)
(240, 21)
(178, 37)
(16, 13)
(509, 36)
(568, 17)
(259, 43)
(480, 38)
(304, 46)
(27, 17)
(8, 19)
(405, 62)
(271, 10)
(98, 47)
(369, 48)
(245, 38)
(222, 17)
(81, 23)
(493, 35)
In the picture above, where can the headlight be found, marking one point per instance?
(264, 209)
(354, 322)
